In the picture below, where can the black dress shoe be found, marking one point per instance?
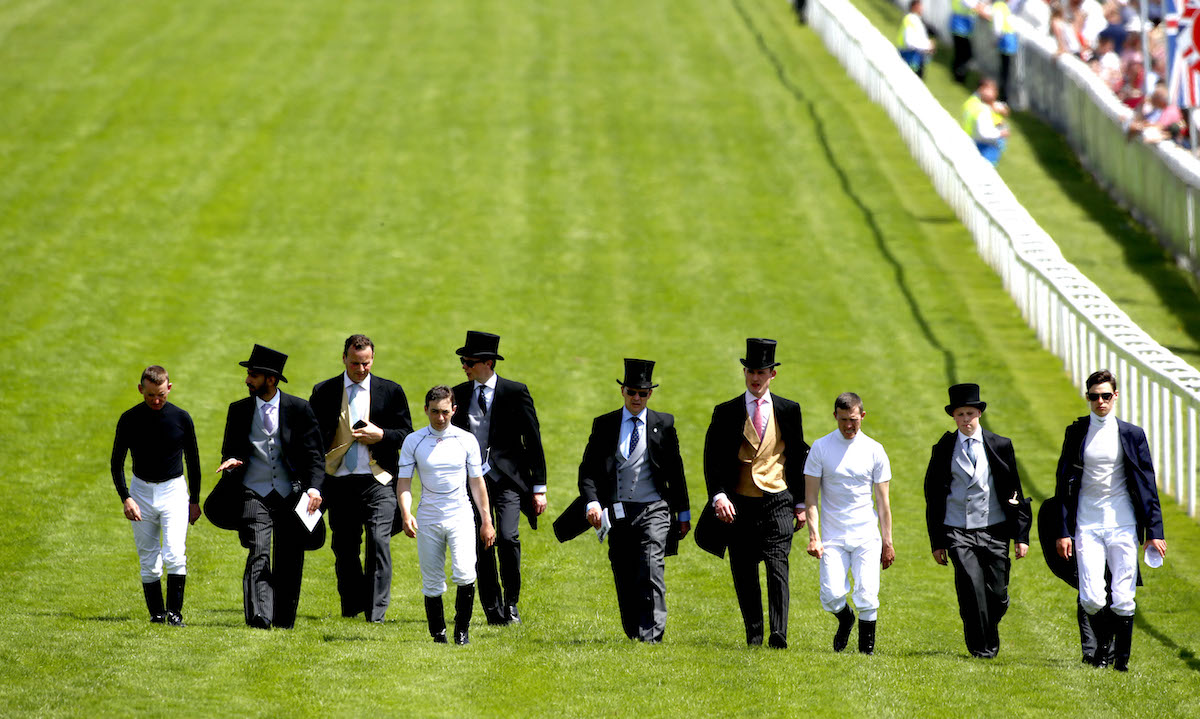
(460, 638)
(496, 620)
(513, 616)
(776, 642)
(158, 618)
(175, 619)
(259, 623)
(440, 637)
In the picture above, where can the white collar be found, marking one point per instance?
(978, 436)
(365, 384)
(1099, 421)
(274, 401)
(751, 399)
(626, 415)
(490, 384)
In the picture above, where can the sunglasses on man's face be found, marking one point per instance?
(1096, 396)
(468, 363)
(637, 392)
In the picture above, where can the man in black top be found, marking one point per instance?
(160, 436)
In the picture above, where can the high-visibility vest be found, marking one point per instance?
(970, 114)
(1001, 10)
(909, 21)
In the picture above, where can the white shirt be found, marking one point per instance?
(274, 402)
(444, 460)
(1103, 498)
(360, 405)
(626, 432)
(915, 35)
(489, 391)
(849, 470)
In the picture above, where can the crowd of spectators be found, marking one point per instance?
(1109, 38)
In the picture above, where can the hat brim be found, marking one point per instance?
(264, 370)
(746, 364)
(981, 406)
(639, 385)
(465, 352)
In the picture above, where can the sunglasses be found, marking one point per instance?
(1094, 396)
(637, 392)
(469, 362)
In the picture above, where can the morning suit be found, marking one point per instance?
(512, 452)
(979, 554)
(364, 499)
(764, 522)
(640, 527)
(271, 590)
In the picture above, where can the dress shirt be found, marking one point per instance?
(627, 431)
(489, 391)
(359, 406)
(274, 401)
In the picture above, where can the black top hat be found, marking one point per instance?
(760, 354)
(480, 344)
(965, 395)
(637, 374)
(266, 360)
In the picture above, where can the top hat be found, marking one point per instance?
(965, 395)
(760, 354)
(480, 344)
(637, 374)
(266, 360)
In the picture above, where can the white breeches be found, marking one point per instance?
(432, 541)
(161, 536)
(857, 556)
(1117, 548)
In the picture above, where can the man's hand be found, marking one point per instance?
(539, 503)
(230, 463)
(132, 512)
(593, 517)
(410, 525)
(369, 434)
(314, 501)
(1022, 550)
(193, 512)
(1066, 547)
(801, 517)
(1159, 544)
(725, 510)
(888, 555)
(815, 547)
(684, 528)
(487, 533)
(939, 556)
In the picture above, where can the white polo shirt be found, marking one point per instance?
(444, 460)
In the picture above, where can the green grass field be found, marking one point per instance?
(591, 181)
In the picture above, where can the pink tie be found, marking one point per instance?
(759, 421)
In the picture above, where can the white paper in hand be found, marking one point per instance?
(310, 520)
(605, 525)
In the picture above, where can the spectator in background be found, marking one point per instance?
(1107, 64)
(983, 120)
(1006, 42)
(1087, 17)
(962, 22)
(1157, 119)
(1115, 30)
(1064, 34)
(913, 41)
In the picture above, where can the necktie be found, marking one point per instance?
(352, 453)
(635, 436)
(760, 422)
(268, 412)
(970, 446)
(482, 401)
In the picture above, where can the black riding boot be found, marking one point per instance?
(845, 619)
(464, 602)
(1087, 636)
(154, 601)
(866, 636)
(1123, 637)
(435, 615)
(175, 584)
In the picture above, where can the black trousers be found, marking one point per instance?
(1005, 69)
(762, 532)
(500, 589)
(981, 566)
(962, 56)
(357, 503)
(637, 548)
(271, 589)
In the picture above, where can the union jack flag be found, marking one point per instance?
(1184, 71)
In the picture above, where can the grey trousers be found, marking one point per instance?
(637, 549)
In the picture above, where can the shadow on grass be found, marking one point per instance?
(948, 359)
(1186, 655)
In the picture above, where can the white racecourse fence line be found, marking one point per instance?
(1071, 315)
(1160, 184)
